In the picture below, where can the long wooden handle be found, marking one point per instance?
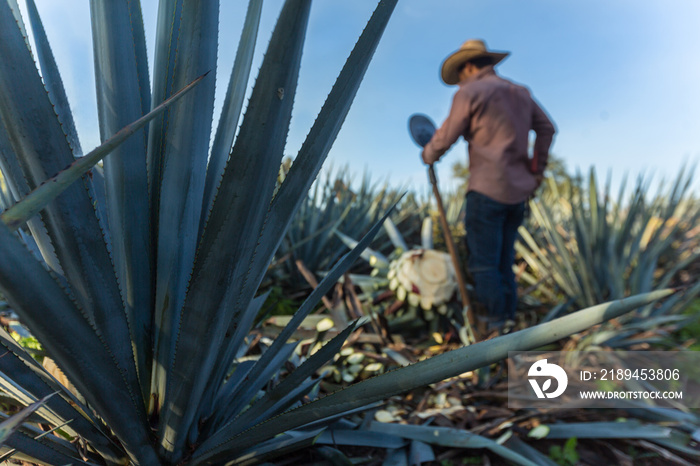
(451, 248)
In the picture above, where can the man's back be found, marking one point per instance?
(495, 116)
(502, 114)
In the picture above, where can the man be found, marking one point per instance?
(495, 117)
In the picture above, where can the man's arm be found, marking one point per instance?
(453, 127)
(544, 131)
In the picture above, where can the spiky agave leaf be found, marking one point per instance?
(422, 373)
(178, 145)
(41, 149)
(73, 342)
(233, 103)
(332, 206)
(226, 248)
(255, 251)
(123, 95)
(44, 446)
(93, 300)
(27, 381)
(44, 194)
(52, 78)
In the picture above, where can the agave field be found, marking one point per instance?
(181, 295)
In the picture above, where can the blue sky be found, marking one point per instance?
(620, 79)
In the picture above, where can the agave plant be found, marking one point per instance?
(593, 249)
(145, 287)
(330, 206)
(141, 291)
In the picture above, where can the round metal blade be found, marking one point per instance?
(421, 128)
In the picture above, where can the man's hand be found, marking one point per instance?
(422, 155)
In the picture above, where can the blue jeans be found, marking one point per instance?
(491, 231)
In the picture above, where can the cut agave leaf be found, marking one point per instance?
(600, 430)
(678, 441)
(375, 259)
(420, 453)
(525, 450)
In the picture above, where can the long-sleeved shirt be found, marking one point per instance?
(495, 117)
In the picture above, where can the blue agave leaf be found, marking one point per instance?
(167, 29)
(231, 234)
(57, 94)
(48, 191)
(279, 398)
(18, 187)
(445, 436)
(78, 348)
(277, 447)
(224, 435)
(14, 8)
(122, 82)
(232, 106)
(238, 329)
(38, 140)
(184, 150)
(26, 372)
(260, 374)
(320, 138)
(42, 449)
(52, 78)
(12, 423)
(361, 438)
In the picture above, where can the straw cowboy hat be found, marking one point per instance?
(471, 49)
